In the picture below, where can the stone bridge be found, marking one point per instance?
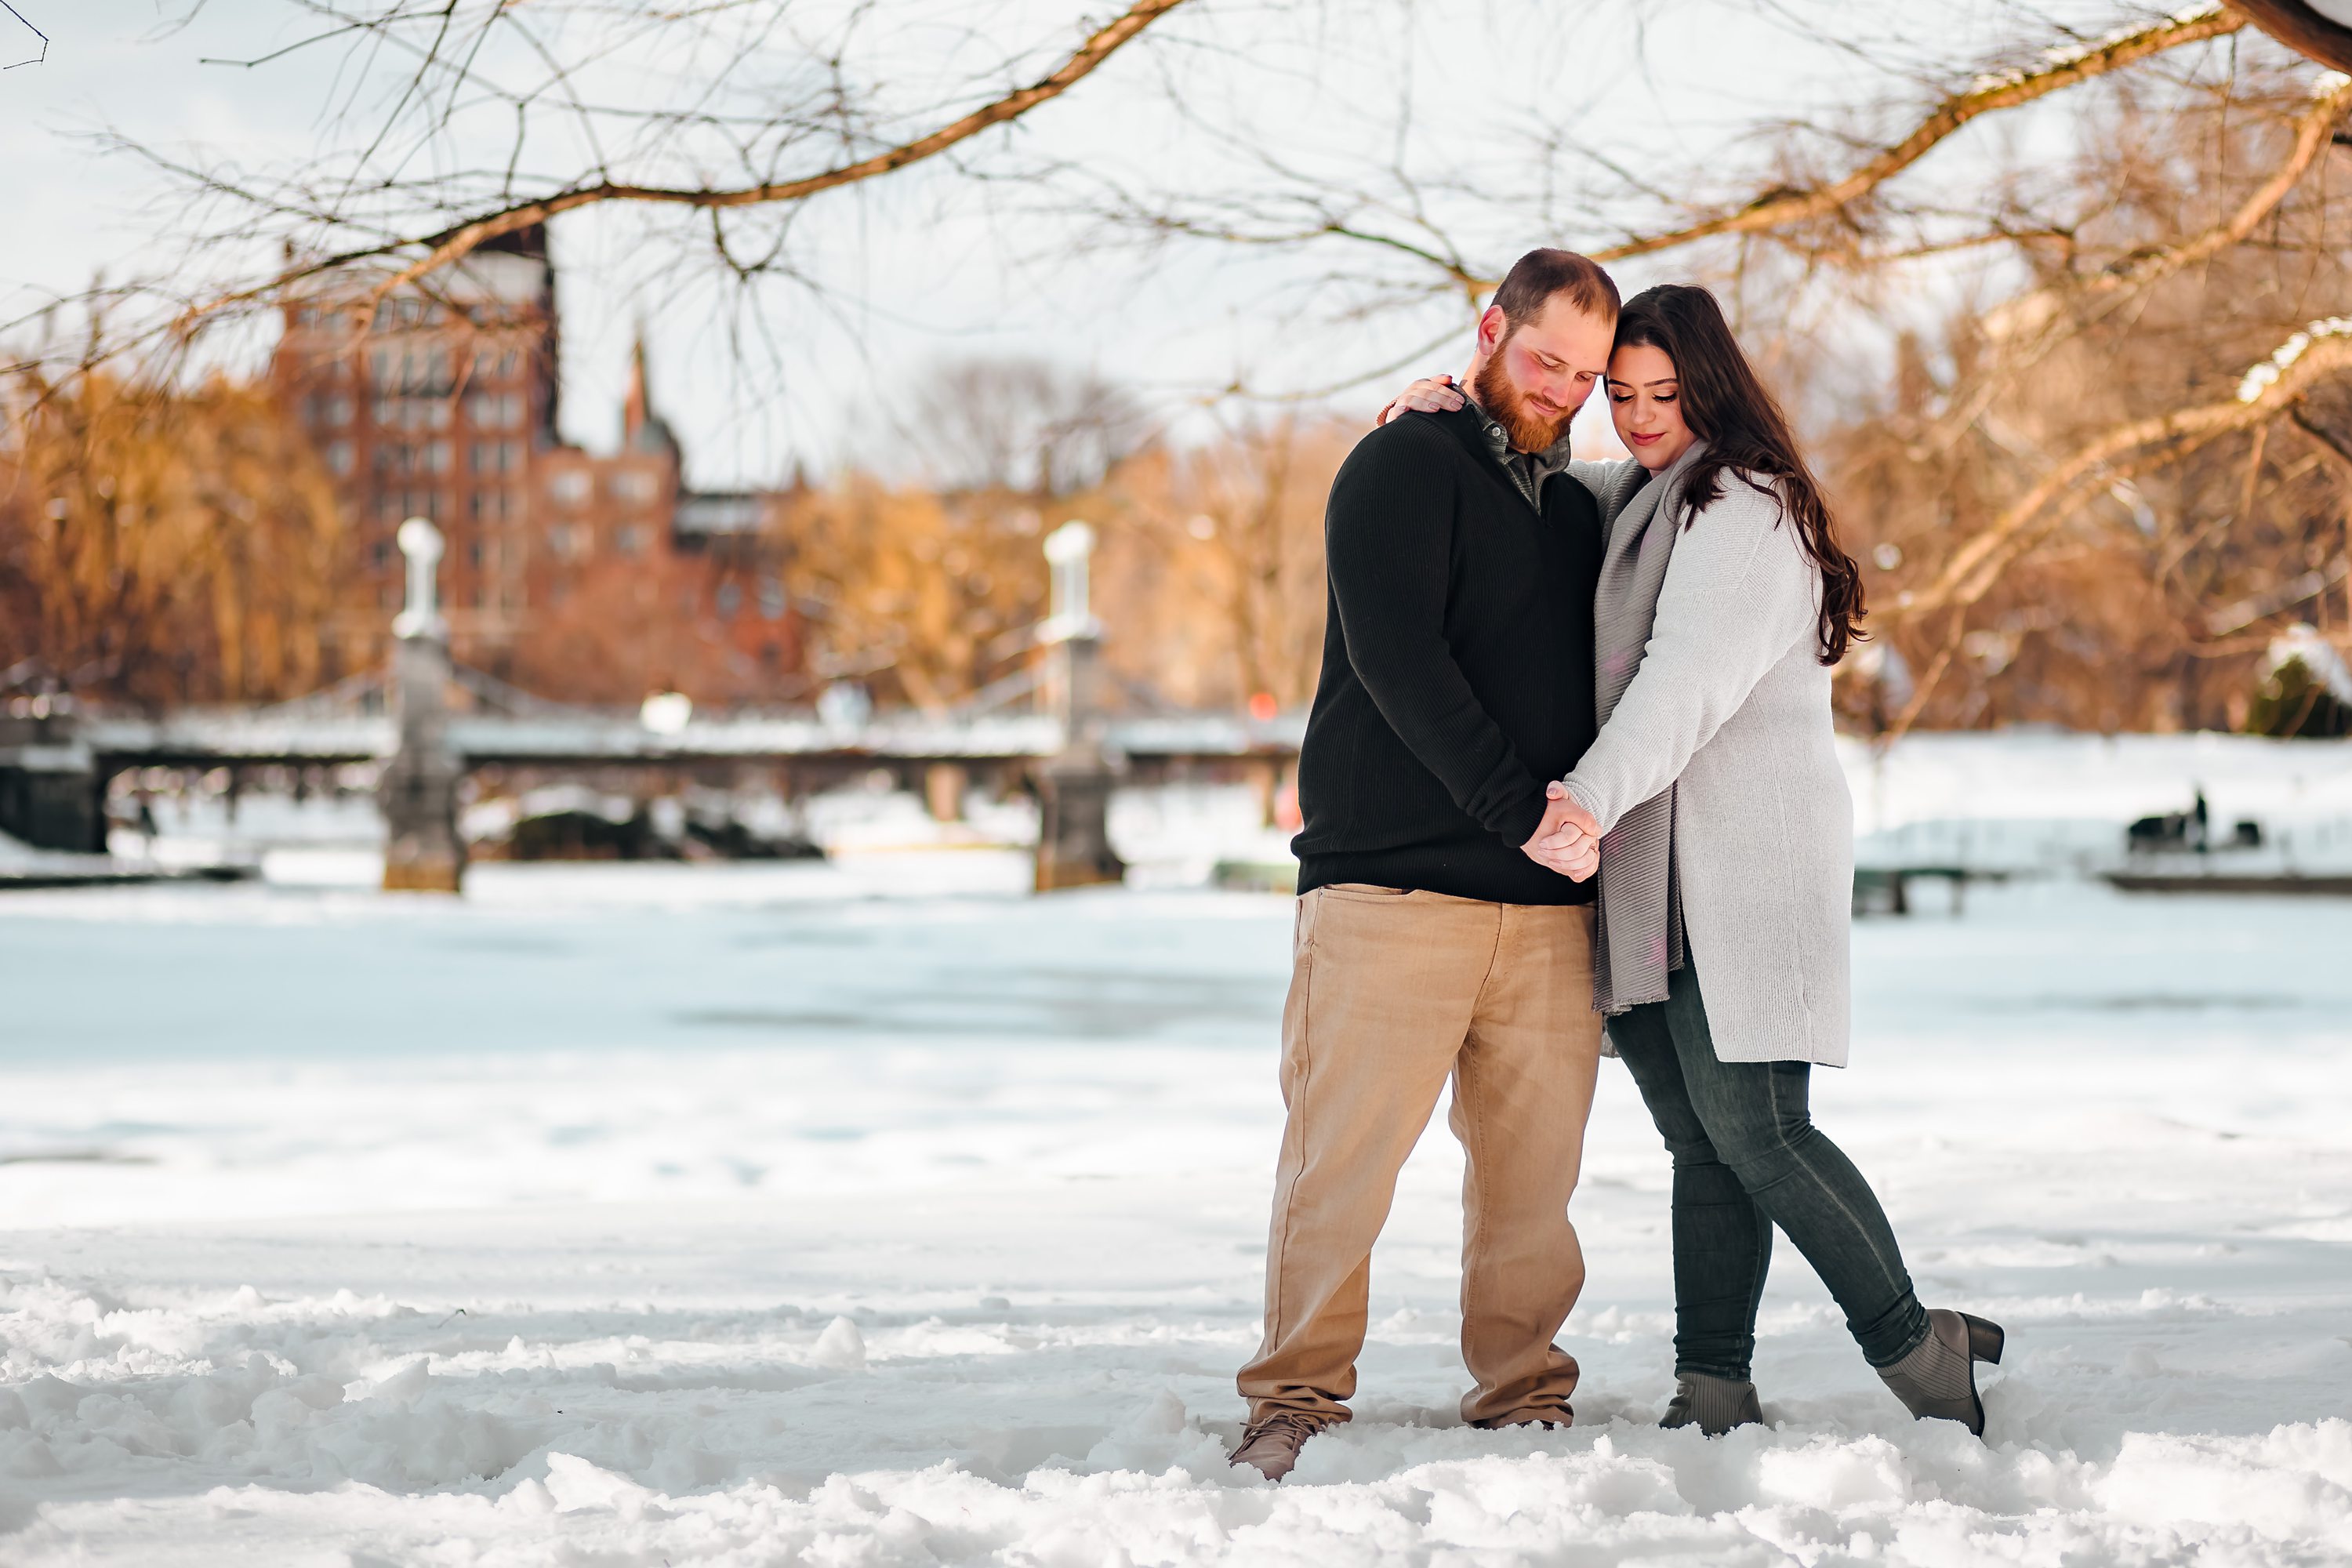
(57, 763)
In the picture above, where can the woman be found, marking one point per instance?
(1727, 847)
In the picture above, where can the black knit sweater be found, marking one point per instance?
(1457, 668)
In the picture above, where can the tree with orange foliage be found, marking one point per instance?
(161, 544)
(924, 597)
(1211, 568)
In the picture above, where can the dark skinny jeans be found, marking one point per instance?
(1748, 1157)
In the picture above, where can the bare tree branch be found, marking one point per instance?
(37, 60)
(1779, 209)
(2051, 315)
(453, 243)
(1305, 211)
(1978, 565)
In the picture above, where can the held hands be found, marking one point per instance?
(1567, 840)
(1429, 394)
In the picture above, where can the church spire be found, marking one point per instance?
(643, 429)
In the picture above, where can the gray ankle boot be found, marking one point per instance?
(1713, 1405)
(1938, 1380)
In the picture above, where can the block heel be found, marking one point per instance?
(1937, 1380)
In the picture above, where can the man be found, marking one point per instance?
(1457, 678)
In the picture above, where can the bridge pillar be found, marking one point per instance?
(52, 794)
(1074, 786)
(943, 787)
(418, 791)
(1266, 781)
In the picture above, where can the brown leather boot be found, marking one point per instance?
(1271, 1446)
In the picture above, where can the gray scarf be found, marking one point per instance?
(1638, 940)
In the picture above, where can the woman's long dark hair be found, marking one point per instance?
(1746, 434)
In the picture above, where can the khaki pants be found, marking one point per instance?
(1390, 993)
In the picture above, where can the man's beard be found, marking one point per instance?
(1508, 407)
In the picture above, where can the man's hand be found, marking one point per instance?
(1567, 840)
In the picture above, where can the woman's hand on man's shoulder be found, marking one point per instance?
(1429, 394)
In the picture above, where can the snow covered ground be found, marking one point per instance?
(877, 1213)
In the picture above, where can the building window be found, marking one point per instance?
(635, 486)
(496, 456)
(495, 410)
(629, 540)
(568, 486)
(436, 458)
(412, 413)
(771, 600)
(339, 458)
(412, 313)
(570, 540)
(414, 370)
(730, 599)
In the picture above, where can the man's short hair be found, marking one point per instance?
(1539, 276)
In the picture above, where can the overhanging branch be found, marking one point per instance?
(2302, 29)
(455, 242)
(1985, 96)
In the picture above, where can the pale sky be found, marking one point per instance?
(919, 268)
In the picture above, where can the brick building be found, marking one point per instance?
(577, 576)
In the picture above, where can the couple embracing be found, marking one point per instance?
(1534, 668)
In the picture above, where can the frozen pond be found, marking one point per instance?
(877, 1214)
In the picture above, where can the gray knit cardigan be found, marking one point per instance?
(1732, 704)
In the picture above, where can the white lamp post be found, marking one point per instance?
(418, 790)
(1074, 788)
(420, 542)
(1069, 551)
